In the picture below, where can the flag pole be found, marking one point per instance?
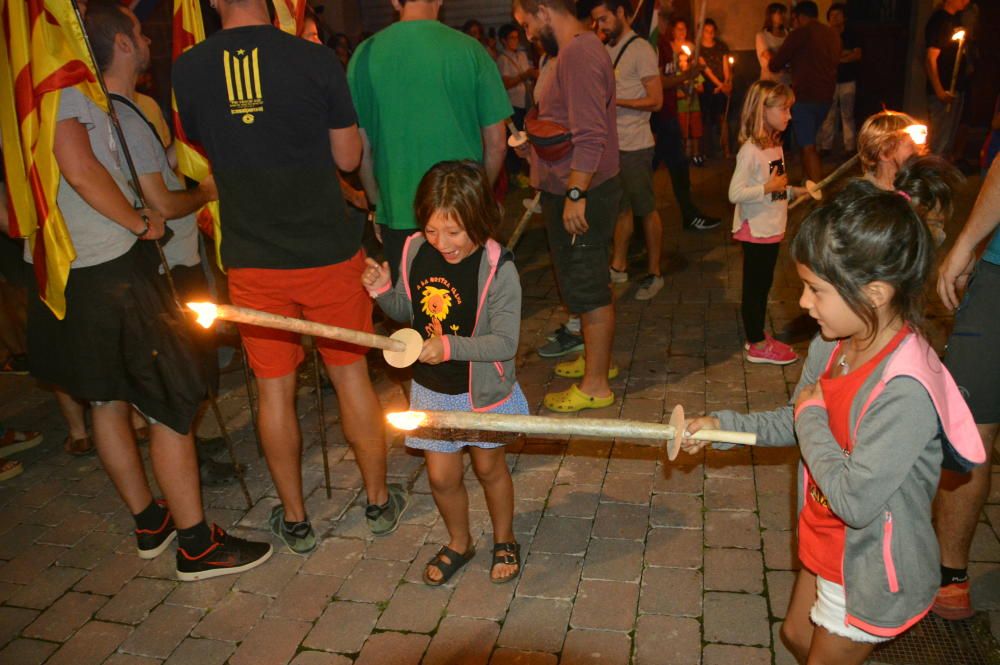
(137, 187)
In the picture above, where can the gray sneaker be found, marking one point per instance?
(618, 276)
(383, 520)
(560, 343)
(300, 539)
(649, 287)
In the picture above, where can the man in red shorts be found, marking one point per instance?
(274, 115)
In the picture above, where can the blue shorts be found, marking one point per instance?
(807, 118)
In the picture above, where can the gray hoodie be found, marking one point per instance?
(493, 345)
(883, 490)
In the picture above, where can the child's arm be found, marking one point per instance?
(743, 187)
(503, 307)
(891, 438)
(377, 281)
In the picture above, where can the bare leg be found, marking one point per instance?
(811, 163)
(490, 466)
(175, 465)
(444, 471)
(598, 334)
(959, 502)
(830, 649)
(116, 447)
(361, 418)
(797, 630)
(73, 413)
(653, 227)
(282, 441)
(619, 247)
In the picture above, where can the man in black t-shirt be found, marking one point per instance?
(842, 109)
(274, 115)
(944, 108)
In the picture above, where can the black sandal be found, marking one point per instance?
(508, 554)
(450, 567)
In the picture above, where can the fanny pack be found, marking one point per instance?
(551, 141)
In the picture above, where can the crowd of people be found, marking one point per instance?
(892, 440)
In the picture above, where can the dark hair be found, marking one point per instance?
(864, 235)
(675, 19)
(563, 6)
(105, 20)
(806, 8)
(505, 31)
(710, 22)
(461, 190)
(473, 23)
(929, 181)
(837, 7)
(771, 9)
(611, 5)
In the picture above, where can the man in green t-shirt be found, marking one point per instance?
(424, 93)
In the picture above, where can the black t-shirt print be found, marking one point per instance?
(445, 298)
(261, 104)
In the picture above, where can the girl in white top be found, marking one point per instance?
(760, 190)
(770, 39)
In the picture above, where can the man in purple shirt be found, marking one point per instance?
(580, 190)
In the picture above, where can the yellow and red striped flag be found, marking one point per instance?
(188, 30)
(289, 15)
(42, 52)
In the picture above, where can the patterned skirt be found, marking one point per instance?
(451, 441)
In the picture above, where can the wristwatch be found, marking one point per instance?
(145, 230)
(576, 194)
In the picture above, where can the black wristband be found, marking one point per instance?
(145, 220)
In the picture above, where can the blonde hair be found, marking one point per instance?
(761, 95)
(881, 134)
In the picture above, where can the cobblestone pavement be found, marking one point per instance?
(627, 558)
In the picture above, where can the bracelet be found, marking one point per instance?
(145, 230)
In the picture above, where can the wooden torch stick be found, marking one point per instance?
(522, 223)
(838, 172)
(960, 36)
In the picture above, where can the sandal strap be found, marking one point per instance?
(507, 553)
(456, 561)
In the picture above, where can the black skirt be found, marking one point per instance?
(122, 339)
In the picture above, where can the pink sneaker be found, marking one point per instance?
(772, 353)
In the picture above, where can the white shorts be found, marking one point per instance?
(830, 612)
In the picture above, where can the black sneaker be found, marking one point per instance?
(226, 555)
(561, 342)
(702, 223)
(150, 543)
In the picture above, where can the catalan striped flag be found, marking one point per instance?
(189, 29)
(42, 52)
(289, 15)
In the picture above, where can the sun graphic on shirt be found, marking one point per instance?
(436, 302)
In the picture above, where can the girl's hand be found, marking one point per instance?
(799, 191)
(776, 183)
(433, 351)
(807, 393)
(375, 277)
(692, 425)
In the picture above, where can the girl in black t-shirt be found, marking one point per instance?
(459, 288)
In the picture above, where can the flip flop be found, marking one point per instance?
(450, 567)
(573, 399)
(574, 369)
(507, 554)
(14, 441)
(78, 447)
(10, 468)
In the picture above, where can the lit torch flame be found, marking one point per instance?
(687, 51)
(731, 60)
(406, 420)
(207, 312)
(918, 133)
(958, 36)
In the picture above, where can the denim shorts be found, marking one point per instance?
(807, 118)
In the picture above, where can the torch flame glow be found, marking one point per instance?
(958, 36)
(207, 312)
(406, 420)
(686, 50)
(731, 60)
(918, 133)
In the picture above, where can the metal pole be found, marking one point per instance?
(321, 413)
(251, 400)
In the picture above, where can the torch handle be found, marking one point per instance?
(268, 320)
(837, 172)
(725, 436)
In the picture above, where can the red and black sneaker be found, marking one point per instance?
(150, 543)
(226, 555)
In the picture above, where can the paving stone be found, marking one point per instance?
(734, 570)
(779, 550)
(133, 603)
(779, 591)
(462, 641)
(395, 648)
(415, 608)
(532, 484)
(535, 624)
(735, 463)
(725, 528)
(47, 588)
(504, 656)
(550, 576)
(584, 647)
(725, 654)
(91, 644)
(90, 551)
(633, 458)
(671, 591)
(129, 659)
(582, 470)
(29, 564)
(730, 494)
(782, 656)
(777, 479)
(201, 652)
(204, 594)
(271, 579)
(111, 574)
(667, 639)
(60, 621)
(372, 581)
(613, 559)
(573, 501)
(777, 512)
(527, 513)
(674, 547)
(272, 641)
(602, 605)
(162, 631)
(399, 545)
(233, 617)
(562, 535)
(13, 620)
(736, 618)
(27, 652)
(476, 596)
(627, 488)
(621, 520)
(335, 556)
(343, 627)
(304, 597)
(676, 510)
(320, 658)
(19, 537)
